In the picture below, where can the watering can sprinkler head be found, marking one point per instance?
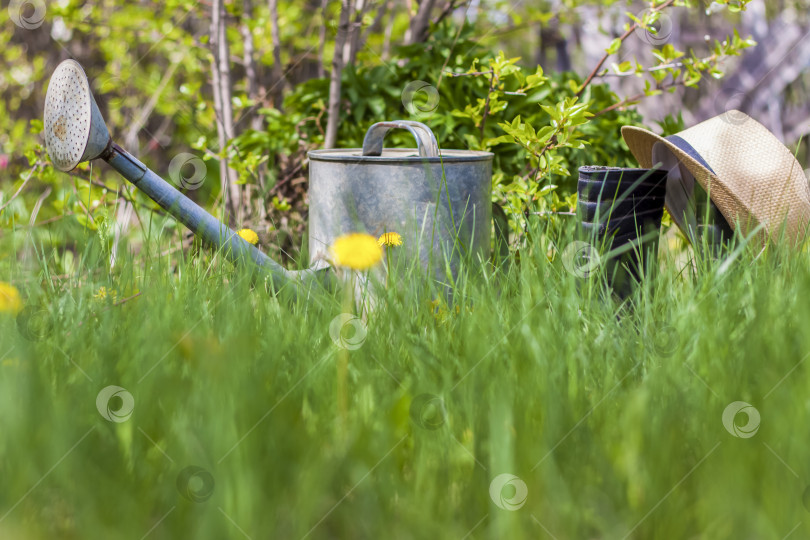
(74, 129)
(75, 132)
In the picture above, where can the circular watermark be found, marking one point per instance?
(115, 404)
(728, 104)
(665, 341)
(580, 259)
(195, 484)
(508, 492)
(420, 98)
(187, 171)
(34, 323)
(658, 29)
(28, 14)
(730, 419)
(427, 411)
(348, 331)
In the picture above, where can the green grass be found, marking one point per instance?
(610, 414)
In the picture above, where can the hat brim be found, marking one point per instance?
(641, 143)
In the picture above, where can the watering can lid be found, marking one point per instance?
(426, 147)
(397, 155)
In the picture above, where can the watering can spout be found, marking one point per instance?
(76, 132)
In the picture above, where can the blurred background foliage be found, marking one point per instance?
(546, 87)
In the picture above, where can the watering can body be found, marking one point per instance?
(440, 203)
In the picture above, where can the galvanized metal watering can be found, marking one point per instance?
(75, 132)
(440, 203)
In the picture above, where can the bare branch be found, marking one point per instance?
(335, 77)
(36, 167)
(278, 72)
(221, 75)
(623, 37)
(420, 23)
(322, 40)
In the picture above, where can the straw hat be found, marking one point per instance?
(750, 175)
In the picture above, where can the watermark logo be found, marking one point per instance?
(427, 411)
(34, 323)
(508, 492)
(730, 419)
(728, 103)
(420, 98)
(195, 484)
(580, 259)
(28, 14)
(806, 498)
(348, 331)
(115, 404)
(665, 341)
(658, 29)
(187, 171)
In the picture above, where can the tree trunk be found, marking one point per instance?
(389, 29)
(420, 23)
(322, 40)
(221, 74)
(335, 76)
(355, 29)
(280, 80)
(251, 75)
(252, 83)
(375, 26)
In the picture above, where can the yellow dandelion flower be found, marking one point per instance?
(10, 301)
(437, 309)
(357, 251)
(103, 294)
(249, 236)
(390, 239)
(11, 362)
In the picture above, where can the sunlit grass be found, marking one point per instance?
(611, 414)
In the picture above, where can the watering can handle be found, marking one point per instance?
(425, 140)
